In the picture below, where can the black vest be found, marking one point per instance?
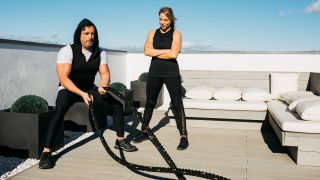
(163, 67)
(84, 72)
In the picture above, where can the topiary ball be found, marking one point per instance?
(118, 86)
(143, 77)
(30, 104)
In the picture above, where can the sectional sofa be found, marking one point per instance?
(300, 136)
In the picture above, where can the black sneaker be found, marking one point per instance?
(125, 145)
(183, 143)
(45, 161)
(142, 136)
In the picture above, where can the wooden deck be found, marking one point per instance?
(236, 154)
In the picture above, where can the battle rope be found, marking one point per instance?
(172, 166)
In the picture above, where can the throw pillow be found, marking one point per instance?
(255, 94)
(200, 92)
(289, 97)
(309, 110)
(227, 93)
(301, 98)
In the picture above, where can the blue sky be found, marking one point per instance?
(206, 25)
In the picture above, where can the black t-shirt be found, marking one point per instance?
(163, 67)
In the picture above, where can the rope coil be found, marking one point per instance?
(172, 166)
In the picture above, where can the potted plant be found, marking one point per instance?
(121, 88)
(25, 124)
(139, 91)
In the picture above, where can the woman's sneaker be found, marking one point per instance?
(45, 161)
(183, 143)
(142, 136)
(125, 145)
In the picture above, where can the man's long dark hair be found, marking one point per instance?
(77, 34)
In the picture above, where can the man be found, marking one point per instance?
(77, 65)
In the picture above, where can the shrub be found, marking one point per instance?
(118, 86)
(30, 104)
(143, 77)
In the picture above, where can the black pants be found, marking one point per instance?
(173, 84)
(101, 103)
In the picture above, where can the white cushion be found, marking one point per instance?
(283, 82)
(200, 92)
(288, 97)
(255, 94)
(227, 93)
(225, 105)
(309, 110)
(291, 121)
(298, 99)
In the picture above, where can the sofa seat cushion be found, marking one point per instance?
(225, 105)
(291, 121)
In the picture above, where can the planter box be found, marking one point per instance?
(140, 95)
(27, 131)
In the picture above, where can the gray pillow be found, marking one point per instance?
(314, 83)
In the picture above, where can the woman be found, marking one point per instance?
(164, 45)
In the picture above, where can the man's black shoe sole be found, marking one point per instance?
(140, 141)
(45, 167)
(128, 150)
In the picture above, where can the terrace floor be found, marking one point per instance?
(235, 154)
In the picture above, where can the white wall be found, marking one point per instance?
(29, 68)
(299, 62)
(25, 72)
(117, 66)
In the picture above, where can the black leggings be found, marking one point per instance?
(173, 84)
(103, 105)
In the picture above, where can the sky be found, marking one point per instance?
(206, 25)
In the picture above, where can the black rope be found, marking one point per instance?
(172, 166)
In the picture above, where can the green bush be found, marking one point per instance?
(143, 77)
(118, 86)
(30, 104)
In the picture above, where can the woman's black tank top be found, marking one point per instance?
(163, 67)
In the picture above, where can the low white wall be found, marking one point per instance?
(292, 62)
(30, 68)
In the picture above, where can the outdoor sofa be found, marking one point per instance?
(251, 111)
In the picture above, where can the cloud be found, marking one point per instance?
(289, 12)
(314, 7)
(129, 48)
(197, 46)
(55, 38)
(186, 47)
(281, 13)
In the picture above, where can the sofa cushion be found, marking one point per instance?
(290, 121)
(200, 92)
(255, 94)
(309, 110)
(227, 93)
(283, 82)
(225, 105)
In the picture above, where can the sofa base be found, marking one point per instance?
(309, 158)
(303, 147)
